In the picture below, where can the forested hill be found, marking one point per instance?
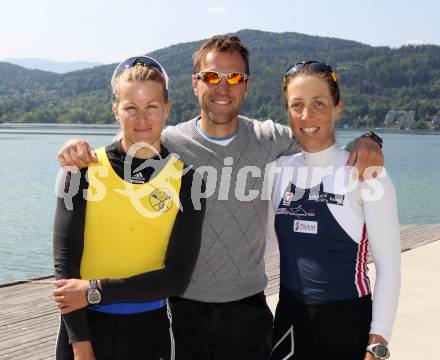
(374, 80)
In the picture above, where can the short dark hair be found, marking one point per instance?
(221, 43)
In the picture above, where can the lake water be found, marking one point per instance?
(28, 168)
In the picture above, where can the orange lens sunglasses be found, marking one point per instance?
(214, 77)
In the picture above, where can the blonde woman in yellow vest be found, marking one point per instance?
(129, 236)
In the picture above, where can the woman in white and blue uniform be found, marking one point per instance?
(327, 223)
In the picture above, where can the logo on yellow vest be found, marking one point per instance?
(161, 200)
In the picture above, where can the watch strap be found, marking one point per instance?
(370, 349)
(92, 291)
(373, 136)
(93, 284)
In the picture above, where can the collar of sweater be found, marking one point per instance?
(240, 140)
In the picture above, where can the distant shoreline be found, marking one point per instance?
(56, 125)
(393, 131)
(112, 129)
(59, 129)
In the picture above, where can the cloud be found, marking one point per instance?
(412, 42)
(217, 9)
(8, 37)
(15, 37)
(83, 54)
(16, 45)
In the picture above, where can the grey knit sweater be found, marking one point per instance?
(230, 265)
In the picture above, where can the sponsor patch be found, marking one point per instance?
(287, 199)
(328, 198)
(161, 200)
(298, 212)
(304, 226)
(137, 178)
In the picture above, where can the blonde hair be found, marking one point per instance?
(139, 72)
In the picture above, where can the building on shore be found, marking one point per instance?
(435, 121)
(399, 119)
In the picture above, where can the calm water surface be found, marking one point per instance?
(28, 168)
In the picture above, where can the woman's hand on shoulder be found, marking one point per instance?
(70, 295)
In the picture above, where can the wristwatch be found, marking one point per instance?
(379, 351)
(94, 296)
(373, 136)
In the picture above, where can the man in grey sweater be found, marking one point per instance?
(223, 313)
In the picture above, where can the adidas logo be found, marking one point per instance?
(137, 178)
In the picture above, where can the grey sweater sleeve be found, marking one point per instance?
(288, 144)
(285, 142)
(280, 138)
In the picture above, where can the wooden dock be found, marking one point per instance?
(29, 320)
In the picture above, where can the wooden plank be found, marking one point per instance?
(29, 319)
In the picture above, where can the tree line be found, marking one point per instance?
(374, 80)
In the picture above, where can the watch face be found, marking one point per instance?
(94, 297)
(381, 351)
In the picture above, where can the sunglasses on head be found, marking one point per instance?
(314, 66)
(214, 77)
(143, 60)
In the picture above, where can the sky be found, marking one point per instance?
(107, 31)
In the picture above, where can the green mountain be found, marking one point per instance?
(373, 79)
